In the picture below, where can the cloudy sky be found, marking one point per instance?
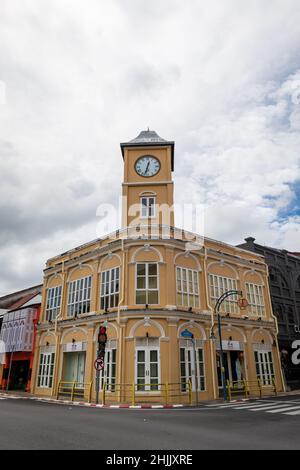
(221, 78)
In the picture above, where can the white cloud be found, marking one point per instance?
(220, 78)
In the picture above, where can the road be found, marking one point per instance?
(29, 424)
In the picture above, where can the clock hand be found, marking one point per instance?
(147, 168)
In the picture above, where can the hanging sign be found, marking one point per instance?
(187, 334)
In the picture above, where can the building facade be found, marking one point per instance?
(152, 285)
(17, 339)
(284, 280)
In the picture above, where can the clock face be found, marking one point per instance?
(147, 166)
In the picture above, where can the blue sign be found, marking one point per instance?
(187, 334)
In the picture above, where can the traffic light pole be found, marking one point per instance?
(102, 338)
(97, 379)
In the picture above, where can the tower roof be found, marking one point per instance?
(149, 138)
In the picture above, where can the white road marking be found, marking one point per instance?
(285, 409)
(293, 413)
(266, 408)
(250, 407)
(289, 407)
(234, 405)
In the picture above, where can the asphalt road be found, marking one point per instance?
(27, 424)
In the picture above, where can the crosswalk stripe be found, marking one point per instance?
(250, 407)
(285, 409)
(230, 405)
(293, 413)
(269, 407)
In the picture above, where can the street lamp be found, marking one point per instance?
(212, 336)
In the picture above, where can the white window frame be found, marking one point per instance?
(146, 288)
(195, 294)
(147, 211)
(255, 298)
(217, 286)
(113, 290)
(147, 388)
(79, 296)
(46, 370)
(53, 302)
(189, 365)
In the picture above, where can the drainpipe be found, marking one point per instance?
(62, 298)
(119, 316)
(56, 361)
(212, 325)
(276, 329)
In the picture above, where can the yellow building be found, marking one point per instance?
(152, 285)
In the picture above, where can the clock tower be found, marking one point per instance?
(148, 186)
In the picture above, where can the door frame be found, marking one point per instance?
(77, 364)
(147, 350)
(264, 367)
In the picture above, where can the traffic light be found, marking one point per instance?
(102, 338)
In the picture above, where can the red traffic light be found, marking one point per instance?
(102, 336)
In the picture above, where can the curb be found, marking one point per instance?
(92, 405)
(132, 407)
(112, 407)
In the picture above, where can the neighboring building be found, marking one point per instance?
(284, 279)
(7, 301)
(149, 283)
(2, 349)
(17, 337)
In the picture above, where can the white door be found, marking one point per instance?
(80, 369)
(264, 367)
(108, 374)
(147, 369)
(188, 369)
(74, 367)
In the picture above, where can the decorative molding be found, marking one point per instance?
(223, 263)
(46, 333)
(74, 329)
(188, 254)
(192, 324)
(110, 255)
(147, 321)
(79, 267)
(252, 272)
(146, 248)
(262, 330)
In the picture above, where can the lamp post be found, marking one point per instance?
(217, 312)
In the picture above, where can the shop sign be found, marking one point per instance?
(231, 345)
(74, 347)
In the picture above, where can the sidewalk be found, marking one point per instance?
(28, 396)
